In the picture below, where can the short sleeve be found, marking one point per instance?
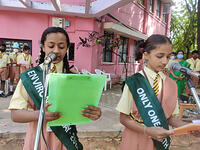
(8, 59)
(198, 65)
(18, 58)
(125, 104)
(20, 98)
(176, 110)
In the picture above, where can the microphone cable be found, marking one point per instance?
(44, 139)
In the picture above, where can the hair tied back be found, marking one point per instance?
(141, 45)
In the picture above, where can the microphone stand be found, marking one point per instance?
(193, 90)
(46, 71)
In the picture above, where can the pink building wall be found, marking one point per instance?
(155, 25)
(140, 19)
(132, 15)
(136, 19)
(19, 25)
(29, 26)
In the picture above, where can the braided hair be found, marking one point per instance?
(43, 39)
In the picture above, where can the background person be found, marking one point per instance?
(4, 62)
(24, 60)
(13, 70)
(178, 76)
(194, 62)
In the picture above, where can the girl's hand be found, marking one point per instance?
(182, 77)
(91, 112)
(50, 116)
(178, 78)
(158, 133)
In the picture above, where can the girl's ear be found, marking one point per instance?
(146, 55)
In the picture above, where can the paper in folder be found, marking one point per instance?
(70, 93)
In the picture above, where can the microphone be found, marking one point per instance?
(177, 67)
(50, 57)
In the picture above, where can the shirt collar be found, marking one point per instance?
(59, 67)
(24, 54)
(150, 73)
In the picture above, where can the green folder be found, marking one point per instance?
(70, 93)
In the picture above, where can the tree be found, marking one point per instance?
(184, 26)
(198, 25)
(96, 38)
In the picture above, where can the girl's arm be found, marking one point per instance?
(177, 78)
(131, 124)
(25, 116)
(156, 133)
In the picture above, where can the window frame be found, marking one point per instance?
(107, 50)
(158, 8)
(164, 13)
(141, 2)
(151, 6)
(124, 51)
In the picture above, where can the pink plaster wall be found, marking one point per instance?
(29, 26)
(83, 55)
(132, 15)
(80, 27)
(26, 26)
(136, 13)
(155, 25)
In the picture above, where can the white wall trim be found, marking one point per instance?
(124, 31)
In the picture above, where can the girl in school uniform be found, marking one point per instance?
(25, 59)
(149, 100)
(13, 70)
(4, 62)
(179, 77)
(194, 62)
(25, 102)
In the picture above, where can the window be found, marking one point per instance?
(107, 49)
(135, 43)
(158, 8)
(123, 49)
(151, 5)
(166, 10)
(141, 2)
(164, 17)
(70, 52)
(17, 42)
